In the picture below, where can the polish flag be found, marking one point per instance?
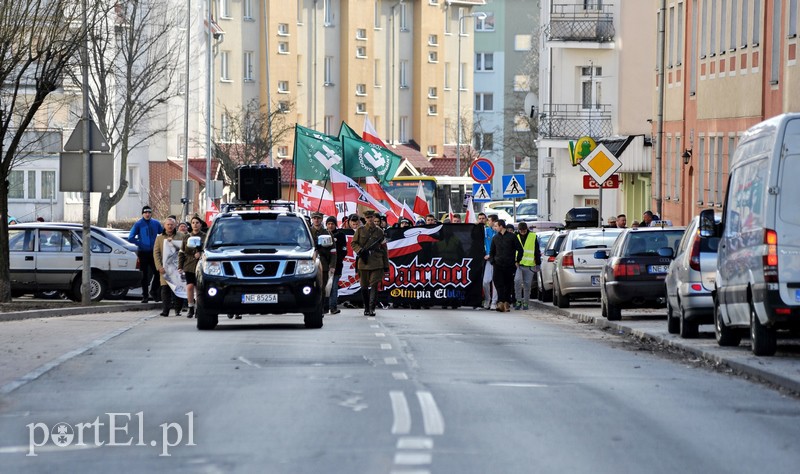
(315, 198)
(348, 191)
(412, 238)
(374, 187)
(370, 134)
(407, 212)
(471, 217)
(420, 203)
(211, 210)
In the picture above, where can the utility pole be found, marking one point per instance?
(185, 175)
(660, 114)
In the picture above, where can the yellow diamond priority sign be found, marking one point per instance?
(601, 164)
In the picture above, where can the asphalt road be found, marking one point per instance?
(456, 391)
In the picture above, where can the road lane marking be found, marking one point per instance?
(518, 384)
(415, 471)
(414, 442)
(412, 459)
(390, 360)
(374, 326)
(402, 415)
(252, 364)
(380, 334)
(386, 347)
(432, 418)
(399, 375)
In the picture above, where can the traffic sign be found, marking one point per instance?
(482, 192)
(96, 140)
(601, 164)
(611, 183)
(514, 186)
(482, 170)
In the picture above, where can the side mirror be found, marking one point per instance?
(708, 226)
(666, 252)
(195, 242)
(325, 241)
(601, 254)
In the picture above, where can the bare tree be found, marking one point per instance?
(134, 58)
(475, 140)
(246, 138)
(38, 39)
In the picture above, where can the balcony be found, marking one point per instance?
(591, 21)
(572, 121)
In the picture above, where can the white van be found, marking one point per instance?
(758, 262)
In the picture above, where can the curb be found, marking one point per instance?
(771, 377)
(75, 311)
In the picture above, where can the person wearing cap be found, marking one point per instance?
(317, 229)
(337, 252)
(528, 266)
(382, 222)
(188, 257)
(372, 260)
(143, 234)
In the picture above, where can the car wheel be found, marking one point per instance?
(673, 324)
(613, 312)
(689, 329)
(726, 337)
(205, 319)
(97, 288)
(313, 320)
(563, 300)
(118, 294)
(763, 339)
(48, 295)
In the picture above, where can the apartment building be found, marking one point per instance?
(729, 64)
(596, 59)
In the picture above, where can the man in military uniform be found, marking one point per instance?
(318, 229)
(368, 244)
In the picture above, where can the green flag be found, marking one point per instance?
(363, 159)
(315, 154)
(346, 131)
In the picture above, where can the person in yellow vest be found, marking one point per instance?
(528, 266)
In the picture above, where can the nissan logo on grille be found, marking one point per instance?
(259, 269)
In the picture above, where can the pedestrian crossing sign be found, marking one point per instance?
(514, 186)
(482, 192)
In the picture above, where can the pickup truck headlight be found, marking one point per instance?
(212, 268)
(304, 267)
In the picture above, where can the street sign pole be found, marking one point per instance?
(600, 206)
(87, 215)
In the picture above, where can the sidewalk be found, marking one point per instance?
(782, 370)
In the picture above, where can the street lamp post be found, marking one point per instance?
(480, 15)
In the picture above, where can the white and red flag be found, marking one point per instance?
(420, 203)
(407, 212)
(450, 211)
(370, 134)
(345, 190)
(315, 198)
(374, 187)
(211, 210)
(471, 218)
(412, 238)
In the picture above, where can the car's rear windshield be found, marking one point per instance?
(648, 243)
(269, 232)
(595, 239)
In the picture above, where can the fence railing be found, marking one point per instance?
(572, 121)
(589, 21)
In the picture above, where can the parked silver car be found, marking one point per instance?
(545, 278)
(576, 273)
(690, 281)
(48, 256)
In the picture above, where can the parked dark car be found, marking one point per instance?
(636, 267)
(690, 282)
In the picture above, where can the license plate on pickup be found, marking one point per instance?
(595, 280)
(657, 268)
(261, 298)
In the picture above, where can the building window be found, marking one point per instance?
(679, 59)
(283, 106)
(693, 56)
(377, 73)
(181, 83)
(484, 61)
(522, 163)
(591, 87)
(523, 42)
(723, 18)
(712, 156)
(718, 189)
(328, 12)
(432, 93)
(283, 47)
(522, 83)
(745, 11)
(712, 47)
(462, 76)
(704, 33)
(377, 16)
(404, 74)
(328, 80)
(248, 66)
(433, 57)
(283, 151)
(734, 24)
(361, 52)
(431, 150)
(361, 34)
(225, 128)
(181, 145)
(701, 177)
(433, 40)
(462, 27)
(361, 90)
(775, 70)
(447, 76)
(403, 17)
(225, 8)
(671, 37)
(792, 18)
(283, 87)
(133, 179)
(484, 102)
(247, 9)
(283, 29)
(403, 129)
(223, 66)
(756, 22)
(361, 108)
(483, 141)
(433, 2)
(432, 109)
(484, 24)
(521, 123)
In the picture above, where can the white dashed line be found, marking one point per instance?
(412, 459)
(374, 326)
(380, 334)
(402, 415)
(399, 375)
(518, 385)
(414, 442)
(390, 360)
(431, 416)
(386, 347)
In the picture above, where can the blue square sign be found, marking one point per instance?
(482, 192)
(514, 186)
